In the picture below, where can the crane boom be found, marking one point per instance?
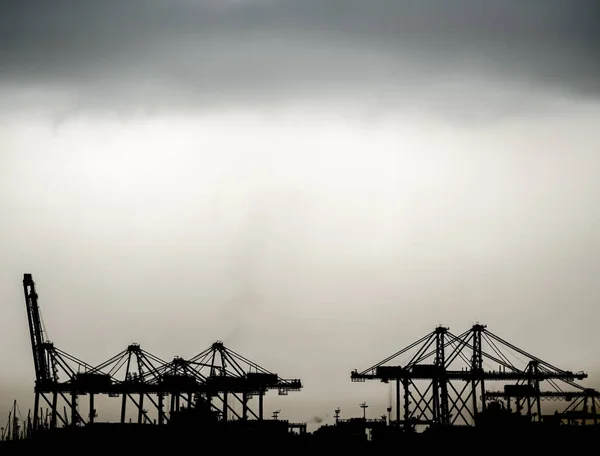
(42, 370)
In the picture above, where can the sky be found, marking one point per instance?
(315, 183)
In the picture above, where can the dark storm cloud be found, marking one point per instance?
(255, 51)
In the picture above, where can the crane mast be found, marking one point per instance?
(36, 331)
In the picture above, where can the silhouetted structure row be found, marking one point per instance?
(217, 376)
(440, 380)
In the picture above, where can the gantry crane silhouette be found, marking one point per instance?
(443, 380)
(215, 376)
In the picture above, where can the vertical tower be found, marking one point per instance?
(38, 343)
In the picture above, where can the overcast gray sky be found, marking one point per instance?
(316, 183)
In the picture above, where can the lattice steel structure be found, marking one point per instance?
(444, 376)
(59, 377)
(228, 376)
(215, 377)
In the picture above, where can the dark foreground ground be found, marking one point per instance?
(122, 439)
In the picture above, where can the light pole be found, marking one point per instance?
(364, 407)
(337, 415)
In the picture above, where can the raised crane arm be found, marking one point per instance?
(36, 331)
